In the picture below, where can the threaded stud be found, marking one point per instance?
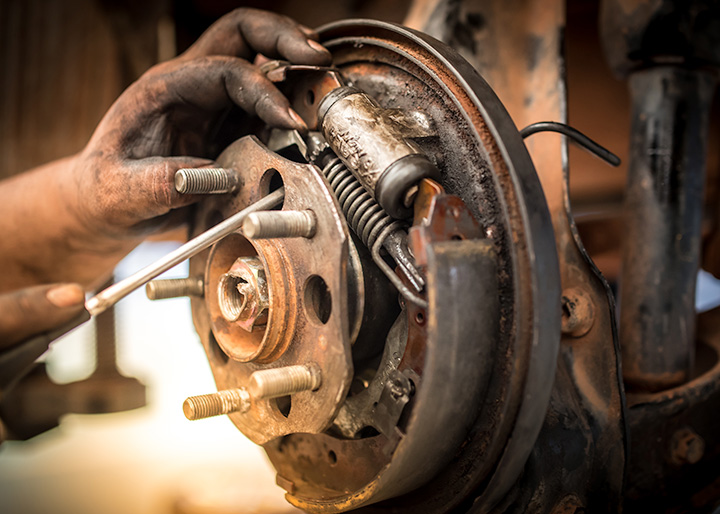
(272, 224)
(273, 383)
(206, 180)
(216, 404)
(174, 288)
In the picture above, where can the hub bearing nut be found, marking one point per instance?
(243, 294)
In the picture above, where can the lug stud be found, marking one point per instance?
(174, 288)
(206, 180)
(216, 404)
(272, 224)
(274, 383)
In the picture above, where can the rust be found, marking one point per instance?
(489, 182)
(292, 336)
(687, 447)
(238, 343)
(588, 364)
(306, 86)
(475, 167)
(428, 189)
(578, 312)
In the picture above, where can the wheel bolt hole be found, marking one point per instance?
(317, 299)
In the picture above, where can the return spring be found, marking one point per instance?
(362, 212)
(373, 226)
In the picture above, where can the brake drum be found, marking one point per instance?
(420, 408)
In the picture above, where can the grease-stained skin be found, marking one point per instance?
(73, 220)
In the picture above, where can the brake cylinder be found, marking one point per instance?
(376, 147)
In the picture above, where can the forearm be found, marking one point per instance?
(44, 239)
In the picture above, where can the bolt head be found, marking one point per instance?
(243, 294)
(578, 312)
(687, 447)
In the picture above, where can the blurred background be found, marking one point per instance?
(146, 460)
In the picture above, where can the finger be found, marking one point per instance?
(152, 182)
(214, 83)
(140, 122)
(245, 32)
(35, 310)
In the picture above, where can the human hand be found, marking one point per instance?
(75, 219)
(125, 175)
(35, 310)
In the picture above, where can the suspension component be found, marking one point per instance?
(376, 145)
(431, 397)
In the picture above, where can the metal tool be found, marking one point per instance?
(116, 292)
(16, 362)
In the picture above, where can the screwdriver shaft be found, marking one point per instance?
(110, 296)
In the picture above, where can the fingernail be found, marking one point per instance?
(317, 46)
(297, 119)
(67, 295)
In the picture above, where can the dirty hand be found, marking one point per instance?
(32, 311)
(96, 206)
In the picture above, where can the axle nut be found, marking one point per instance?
(243, 294)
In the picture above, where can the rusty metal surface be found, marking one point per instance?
(572, 450)
(295, 333)
(675, 453)
(518, 50)
(315, 82)
(483, 161)
(364, 467)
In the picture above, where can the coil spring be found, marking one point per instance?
(362, 212)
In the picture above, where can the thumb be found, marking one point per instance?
(34, 310)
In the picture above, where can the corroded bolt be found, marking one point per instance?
(687, 447)
(206, 180)
(174, 288)
(271, 224)
(273, 383)
(216, 404)
(578, 312)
